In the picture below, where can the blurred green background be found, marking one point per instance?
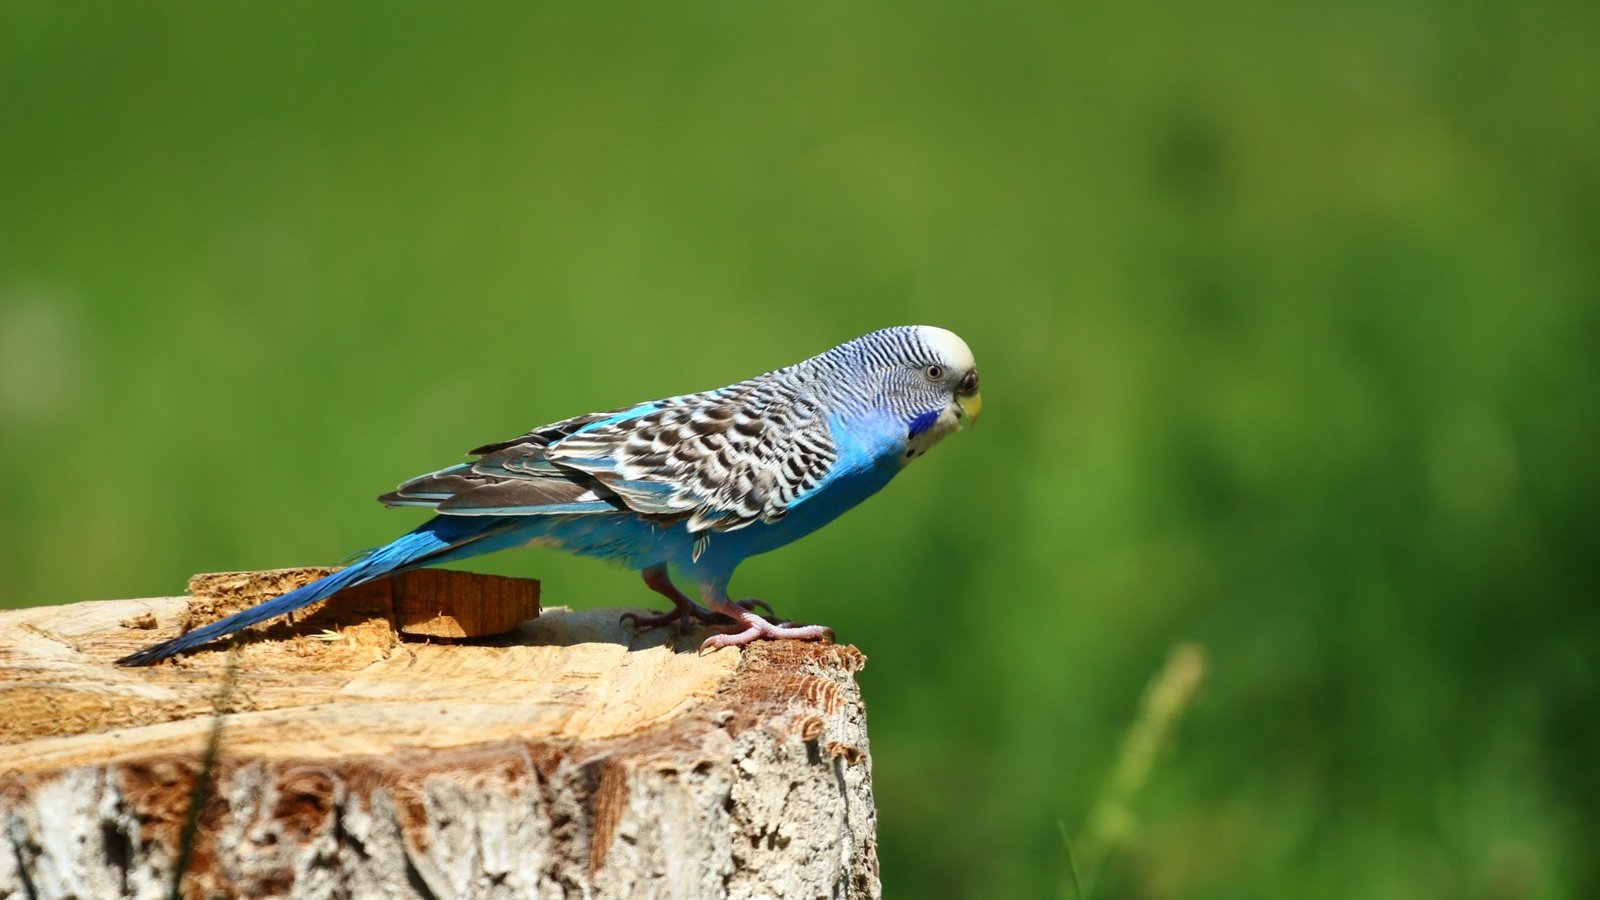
(1288, 317)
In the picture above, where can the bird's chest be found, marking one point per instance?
(868, 456)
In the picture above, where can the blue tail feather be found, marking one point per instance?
(430, 543)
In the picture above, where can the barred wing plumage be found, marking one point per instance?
(724, 459)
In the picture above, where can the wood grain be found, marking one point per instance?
(439, 603)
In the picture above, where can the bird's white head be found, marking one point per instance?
(959, 383)
(926, 377)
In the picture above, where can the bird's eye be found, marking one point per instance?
(969, 384)
(934, 373)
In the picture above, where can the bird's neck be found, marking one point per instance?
(926, 431)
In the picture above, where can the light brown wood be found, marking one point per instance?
(438, 603)
(570, 755)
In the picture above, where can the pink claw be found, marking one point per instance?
(757, 628)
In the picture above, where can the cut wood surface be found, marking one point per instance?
(424, 603)
(569, 756)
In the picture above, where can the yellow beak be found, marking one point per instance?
(970, 408)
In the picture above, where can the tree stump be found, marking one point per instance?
(568, 756)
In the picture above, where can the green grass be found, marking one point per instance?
(1287, 318)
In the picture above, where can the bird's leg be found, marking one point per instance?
(684, 610)
(751, 604)
(750, 627)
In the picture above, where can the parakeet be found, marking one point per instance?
(696, 482)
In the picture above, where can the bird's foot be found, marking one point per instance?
(650, 620)
(683, 616)
(686, 616)
(751, 627)
(685, 612)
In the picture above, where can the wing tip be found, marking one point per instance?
(400, 499)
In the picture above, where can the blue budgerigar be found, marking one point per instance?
(697, 482)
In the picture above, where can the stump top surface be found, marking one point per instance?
(568, 675)
(593, 754)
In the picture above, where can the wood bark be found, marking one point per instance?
(570, 756)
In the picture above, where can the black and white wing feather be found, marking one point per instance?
(722, 459)
(726, 459)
